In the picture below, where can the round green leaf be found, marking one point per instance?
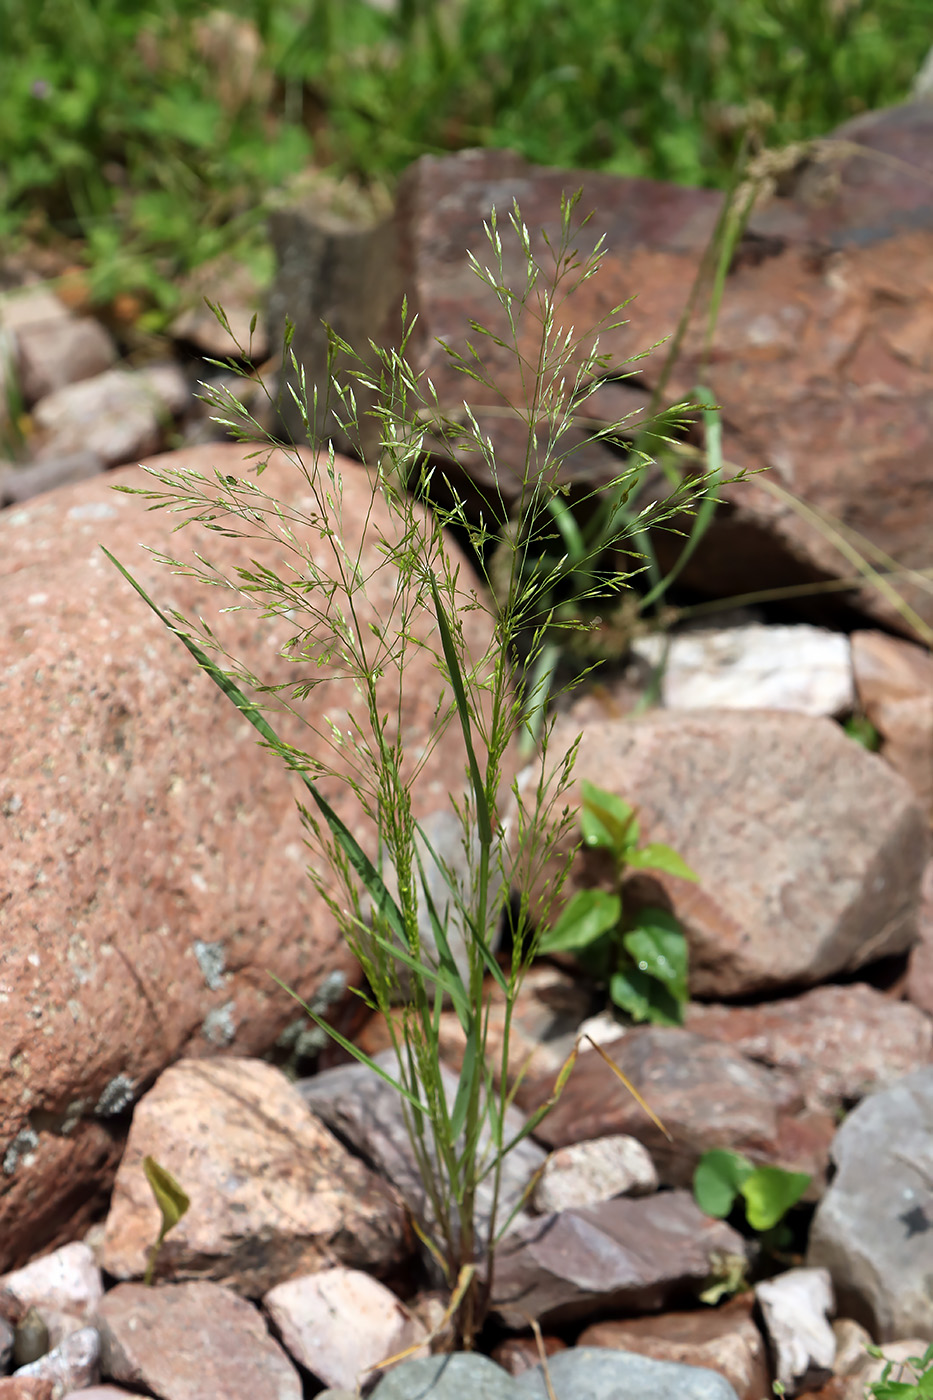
(769, 1193)
(718, 1179)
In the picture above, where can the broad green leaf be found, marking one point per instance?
(645, 998)
(718, 1179)
(607, 821)
(656, 856)
(658, 947)
(587, 916)
(769, 1194)
(171, 1199)
(631, 990)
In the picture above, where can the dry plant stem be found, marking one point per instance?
(319, 588)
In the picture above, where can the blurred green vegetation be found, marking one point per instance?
(154, 130)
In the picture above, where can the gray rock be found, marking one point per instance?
(6, 1346)
(596, 1373)
(795, 1308)
(64, 351)
(872, 1228)
(119, 415)
(339, 267)
(362, 1108)
(622, 1255)
(64, 1287)
(464, 1376)
(22, 483)
(72, 1365)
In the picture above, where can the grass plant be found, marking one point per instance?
(321, 589)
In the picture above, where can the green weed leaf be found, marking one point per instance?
(607, 821)
(658, 947)
(656, 856)
(718, 1179)
(173, 1202)
(769, 1194)
(588, 915)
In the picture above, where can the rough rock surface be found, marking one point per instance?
(821, 349)
(21, 483)
(340, 1324)
(871, 1230)
(153, 866)
(465, 1376)
(795, 1308)
(705, 1093)
(64, 1287)
(49, 346)
(839, 1042)
(584, 1173)
(723, 1339)
(25, 1388)
(579, 1373)
(72, 1365)
(919, 984)
(621, 1255)
(591, 1373)
(273, 1194)
(189, 1340)
(366, 1111)
(894, 680)
(809, 850)
(118, 415)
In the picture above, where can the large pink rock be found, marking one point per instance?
(153, 871)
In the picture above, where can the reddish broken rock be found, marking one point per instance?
(623, 1255)
(821, 353)
(273, 1193)
(919, 984)
(839, 1042)
(188, 1340)
(722, 1339)
(25, 1388)
(705, 1093)
(153, 868)
(894, 680)
(809, 851)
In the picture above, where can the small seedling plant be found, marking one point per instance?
(723, 1177)
(321, 591)
(911, 1380)
(641, 956)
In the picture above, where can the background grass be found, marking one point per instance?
(125, 124)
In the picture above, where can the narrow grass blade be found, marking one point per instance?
(483, 820)
(630, 1086)
(349, 1046)
(355, 854)
(707, 507)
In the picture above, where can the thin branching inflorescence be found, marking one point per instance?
(375, 877)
